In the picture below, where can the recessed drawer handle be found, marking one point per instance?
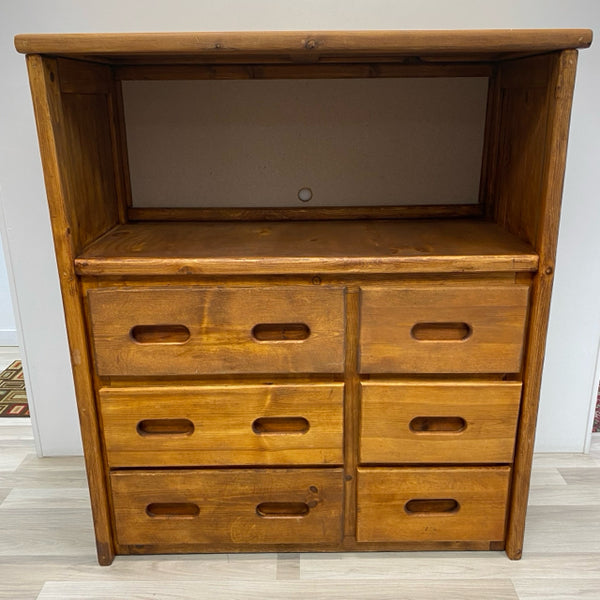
(160, 334)
(441, 332)
(280, 332)
(426, 506)
(280, 510)
(437, 425)
(149, 427)
(275, 425)
(169, 510)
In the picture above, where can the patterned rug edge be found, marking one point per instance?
(13, 397)
(596, 427)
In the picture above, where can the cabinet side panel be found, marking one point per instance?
(489, 160)
(539, 219)
(49, 117)
(88, 162)
(520, 156)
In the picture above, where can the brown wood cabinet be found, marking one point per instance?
(306, 279)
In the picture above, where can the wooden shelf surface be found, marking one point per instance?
(283, 247)
(238, 46)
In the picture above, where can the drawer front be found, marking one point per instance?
(196, 330)
(432, 504)
(438, 422)
(468, 329)
(223, 425)
(228, 506)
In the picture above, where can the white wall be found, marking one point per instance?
(8, 331)
(575, 324)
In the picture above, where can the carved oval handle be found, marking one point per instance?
(280, 332)
(160, 334)
(422, 506)
(280, 510)
(437, 425)
(441, 332)
(149, 427)
(276, 425)
(170, 510)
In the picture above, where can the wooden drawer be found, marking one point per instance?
(199, 330)
(466, 329)
(223, 425)
(438, 422)
(432, 504)
(291, 506)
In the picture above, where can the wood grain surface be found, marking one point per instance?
(419, 246)
(227, 502)
(233, 46)
(221, 323)
(480, 493)
(494, 317)
(223, 425)
(488, 412)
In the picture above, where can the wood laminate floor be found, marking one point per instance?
(47, 547)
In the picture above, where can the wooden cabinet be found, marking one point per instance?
(306, 279)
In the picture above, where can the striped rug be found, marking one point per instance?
(13, 399)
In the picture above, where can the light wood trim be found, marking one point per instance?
(332, 213)
(47, 106)
(560, 95)
(300, 71)
(316, 43)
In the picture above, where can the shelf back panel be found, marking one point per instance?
(305, 143)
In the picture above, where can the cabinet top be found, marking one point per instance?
(283, 46)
